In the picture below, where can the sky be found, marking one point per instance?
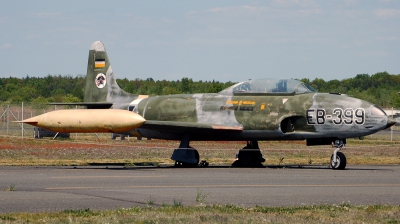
(221, 40)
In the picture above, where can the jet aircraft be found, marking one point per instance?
(251, 111)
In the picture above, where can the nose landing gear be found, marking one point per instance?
(338, 159)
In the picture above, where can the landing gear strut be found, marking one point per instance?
(249, 156)
(338, 159)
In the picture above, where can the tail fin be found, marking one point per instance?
(101, 87)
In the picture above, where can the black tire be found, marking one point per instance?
(245, 158)
(250, 158)
(197, 156)
(183, 164)
(341, 161)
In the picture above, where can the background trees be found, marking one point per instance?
(380, 88)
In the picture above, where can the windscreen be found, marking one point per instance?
(269, 86)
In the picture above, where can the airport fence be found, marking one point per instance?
(9, 113)
(12, 113)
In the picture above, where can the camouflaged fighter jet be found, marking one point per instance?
(253, 110)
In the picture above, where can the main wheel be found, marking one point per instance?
(244, 158)
(250, 158)
(340, 161)
(186, 164)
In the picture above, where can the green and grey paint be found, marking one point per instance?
(265, 109)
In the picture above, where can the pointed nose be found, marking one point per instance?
(390, 122)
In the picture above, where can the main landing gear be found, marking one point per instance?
(338, 159)
(186, 156)
(249, 156)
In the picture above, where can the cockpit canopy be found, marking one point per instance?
(265, 86)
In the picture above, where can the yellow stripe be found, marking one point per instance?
(232, 102)
(249, 102)
(100, 64)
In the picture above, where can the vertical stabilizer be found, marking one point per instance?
(101, 85)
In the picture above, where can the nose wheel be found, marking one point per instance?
(338, 159)
(340, 163)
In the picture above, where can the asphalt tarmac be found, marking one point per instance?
(37, 189)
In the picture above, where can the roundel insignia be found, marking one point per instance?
(100, 80)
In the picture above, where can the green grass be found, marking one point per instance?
(343, 213)
(10, 187)
(200, 196)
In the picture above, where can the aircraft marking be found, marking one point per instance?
(101, 63)
(249, 102)
(100, 80)
(232, 102)
(339, 116)
(229, 108)
(244, 108)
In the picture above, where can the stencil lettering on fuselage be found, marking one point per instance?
(339, 116)
(334, 115)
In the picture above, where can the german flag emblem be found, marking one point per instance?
(100, 63)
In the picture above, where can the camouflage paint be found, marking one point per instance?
(236, 115)
(111, 92)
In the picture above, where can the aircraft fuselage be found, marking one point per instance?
(264, 116)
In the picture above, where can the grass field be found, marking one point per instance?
(176, 213)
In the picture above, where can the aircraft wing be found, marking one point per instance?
(89, 105)
(186, 126)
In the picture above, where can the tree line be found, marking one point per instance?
(381, 88)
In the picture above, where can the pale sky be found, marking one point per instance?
(226, 40)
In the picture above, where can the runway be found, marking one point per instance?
(36, 189)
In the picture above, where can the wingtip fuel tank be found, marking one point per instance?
(88, 121)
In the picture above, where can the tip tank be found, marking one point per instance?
(87, 121)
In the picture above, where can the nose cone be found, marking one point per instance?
(390, 122)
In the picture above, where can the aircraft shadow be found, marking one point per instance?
(123, 166)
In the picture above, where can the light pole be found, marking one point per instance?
(391, 128)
